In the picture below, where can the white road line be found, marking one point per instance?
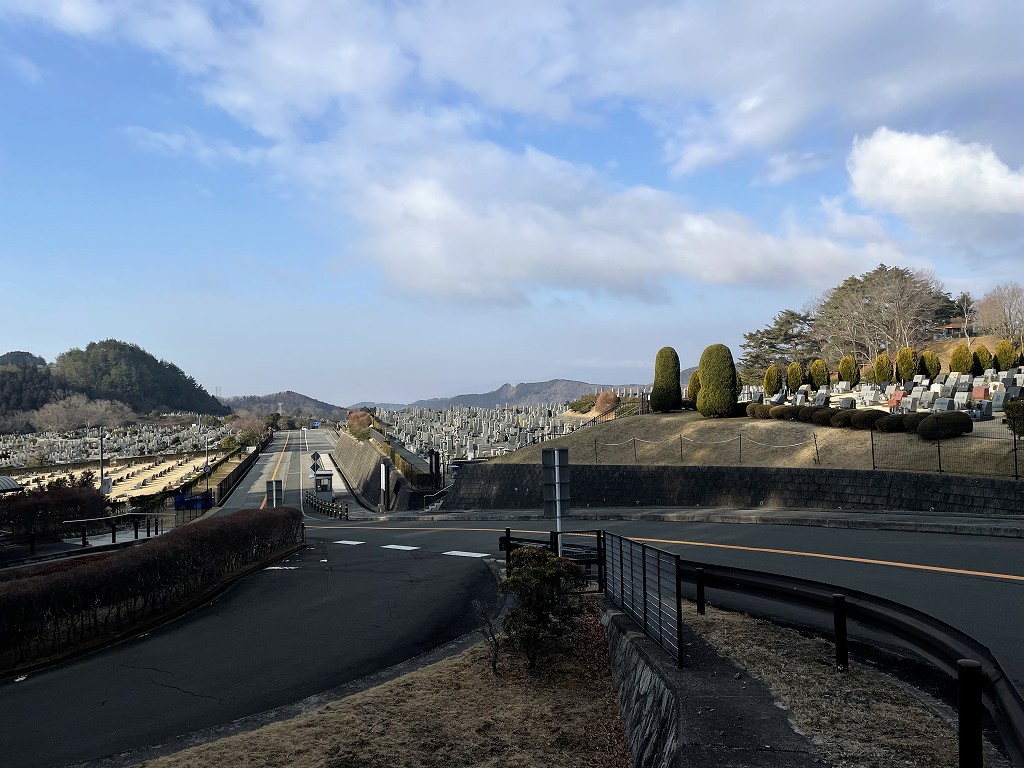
(350, 543)
(399, 546)
(282, 568)
(457, 553)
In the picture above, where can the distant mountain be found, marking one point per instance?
(539, 393)
(290, 403)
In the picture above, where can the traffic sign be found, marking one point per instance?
(315, 456)
(315, 467)
(207, 469)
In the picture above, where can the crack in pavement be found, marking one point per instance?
(190, 693)
(147, 669)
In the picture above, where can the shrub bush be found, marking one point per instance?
(912, 420)
(606, 401)
(1005, 355)
(739, 410)
(807, 412)
(693, 386)
(794, 376)
(842, 418)
(772, 380)
(891, 422)
(961, 360)
(359, 420)
(1014, 412)
(823, 416)
(929, 364)
(547, 604)
(883, 368)
(817, 374)
(982, 360)
(906, 364)
(718, 392)
(778, 411)
(584, 404)
(866, 418)
(849, 370)
(763, 411)
(752, 409)
(944, 424)
(665, 394)
(687, 404)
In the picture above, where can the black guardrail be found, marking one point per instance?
(235, 476)
(585, 548)
(646, 583)
(328, 508)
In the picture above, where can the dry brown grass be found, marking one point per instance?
(858, 718)
(453, 713)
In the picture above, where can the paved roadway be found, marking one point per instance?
(355, 603)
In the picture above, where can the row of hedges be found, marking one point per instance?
(932, 426)
(47, 615)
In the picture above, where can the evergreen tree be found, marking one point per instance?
(788, 337)
(961, 360)
(693, 386)
(930, 364)
(772, 380)
(849, 370)
(906, 364)
(817, 373)
(1005, 355)
(983, 358)
(794, 376)
(883, 368)
(666, 394)
(718, 393)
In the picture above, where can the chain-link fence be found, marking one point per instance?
(994, 455)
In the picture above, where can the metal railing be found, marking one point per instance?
(647, 584)
(585, 548)
(328, 508)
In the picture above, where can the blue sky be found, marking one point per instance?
(397, 200)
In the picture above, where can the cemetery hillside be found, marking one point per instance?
(123, 378)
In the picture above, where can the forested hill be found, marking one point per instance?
(115, 370)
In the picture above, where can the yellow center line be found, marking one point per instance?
(735, 547)
(277, 466)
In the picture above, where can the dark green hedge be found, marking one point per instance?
(891, 423)
(718, 390)
(842, 418)
(866, 418)
(823, 416)
(47, 615)
(944, 424)
(764, 411)
(807, 412)
(912, 420)
(666, 394)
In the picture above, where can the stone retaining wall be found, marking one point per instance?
(360, 464)
(519, 486)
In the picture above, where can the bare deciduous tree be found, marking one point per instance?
(1001, 311)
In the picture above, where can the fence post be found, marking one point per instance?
(1016, 470)
(699, 583)
(740, 440)
(602, 572)
(643, 582)
(621, 576)
(679, 614)
(135, 522)
(969, 701)
(634, 450)
(871, 433)
(938, 448)
(595, 451)
(85, 535)
(508, 552)
(553, 536)
(839, 621)
(680, 448)
(817, 456)
(113, 531)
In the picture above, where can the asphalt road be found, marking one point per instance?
(366, 595)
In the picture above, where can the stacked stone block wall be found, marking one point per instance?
(517, 486)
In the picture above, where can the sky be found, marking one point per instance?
(393, 200)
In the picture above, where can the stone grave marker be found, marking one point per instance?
(961, 399)
(944, 404)
(847, 403)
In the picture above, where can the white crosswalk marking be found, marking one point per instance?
(457, 553)
(399, 546)
(352, 543)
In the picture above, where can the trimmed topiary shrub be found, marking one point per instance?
(764, 411)
(929, 364)
(1005, 355)
(961, 360)
(842, 418)
(794, 376)
(912, 420)
(772, 380)
(665, 394)
(906, 364)
(944, 425)
(807, 412)
(693, 386)
(778, 411)
(739, 410)
(883, 368)
(982, 360)
(751, 408)
(891, 422)
(866, 418)
(849, 370)
(817, 374)
(823, 416)
(718, 391)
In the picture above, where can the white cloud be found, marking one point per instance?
(850, 226)
(25, 69)
(780, 169)
(925, 178)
